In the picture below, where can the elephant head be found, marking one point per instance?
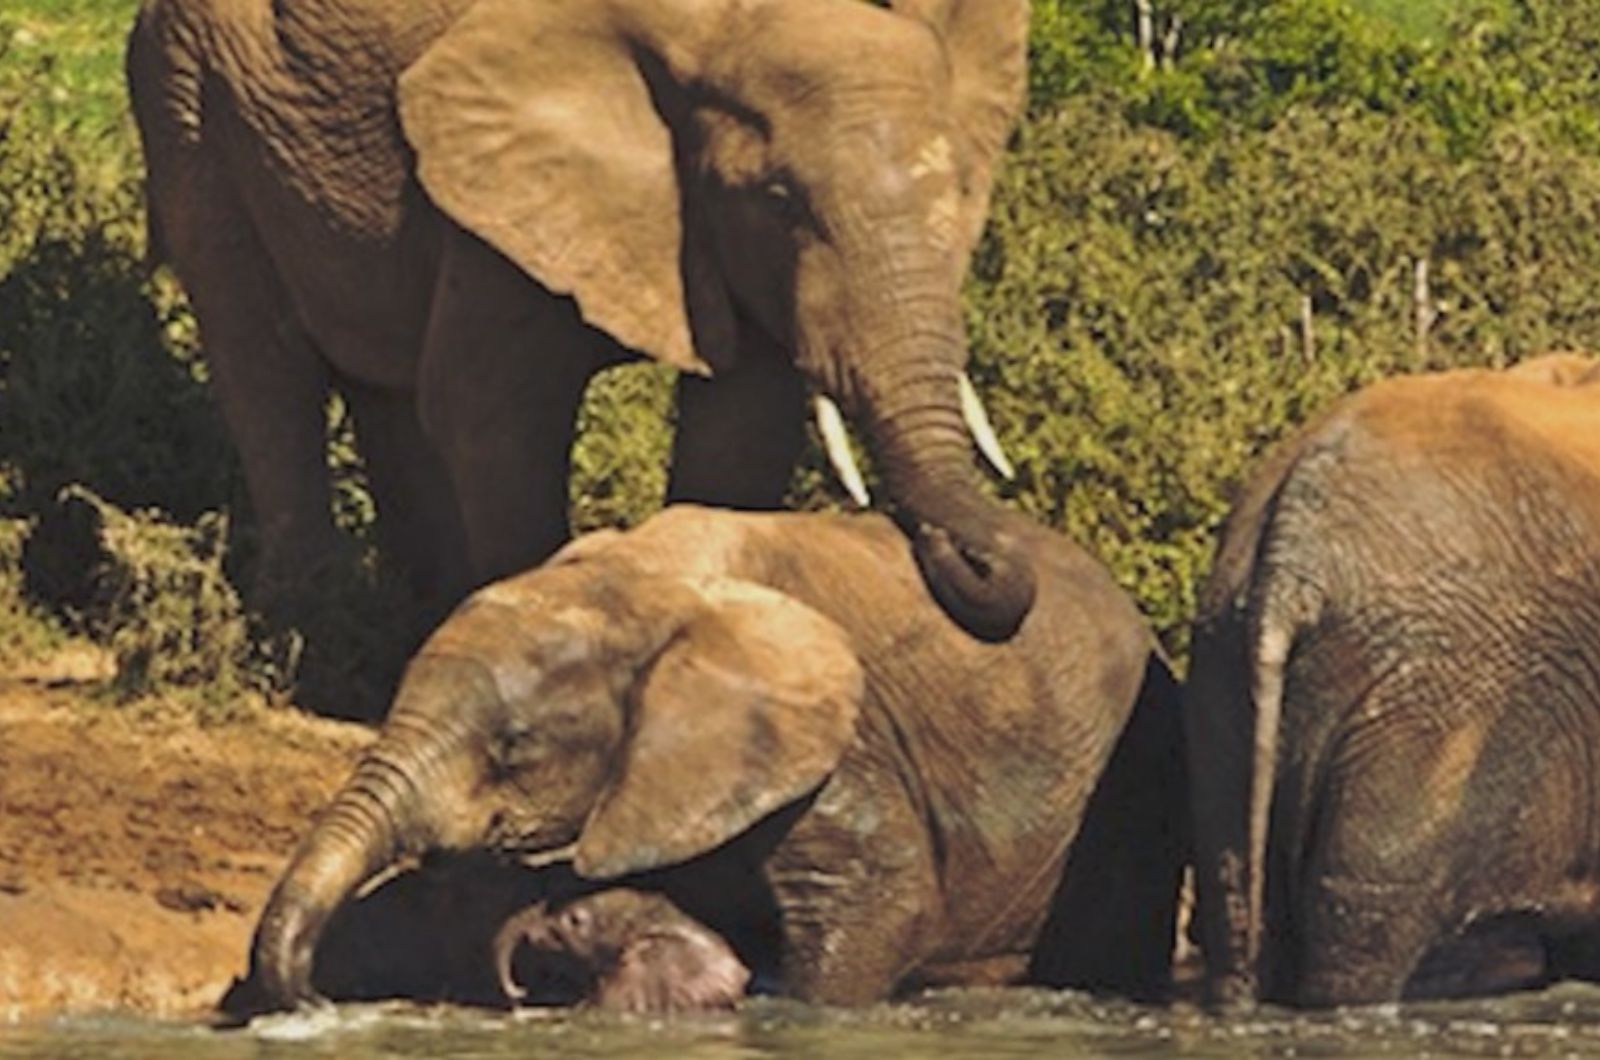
(630, 721)
(816, 170)
(640, 952)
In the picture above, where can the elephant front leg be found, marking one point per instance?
(859, 899)
(503, 372)
(740, 433)
(419, 521)
(267, 376)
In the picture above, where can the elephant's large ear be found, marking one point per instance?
(750, 707)
(987, 42)
(536, 128)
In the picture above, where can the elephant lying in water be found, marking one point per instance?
(768, 719)
(635, 950)
(1393, 711)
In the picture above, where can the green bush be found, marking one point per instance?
(170, 615)
(1138, 305)
(26, 632)
(1216, 66)
(1213, 65)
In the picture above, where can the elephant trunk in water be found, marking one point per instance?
(976, 570)
(366, 829)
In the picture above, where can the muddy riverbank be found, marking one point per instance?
(136, 848)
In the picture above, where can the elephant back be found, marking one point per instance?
(1007, 739)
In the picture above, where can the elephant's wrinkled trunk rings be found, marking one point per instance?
(354, 838)
(977, 572)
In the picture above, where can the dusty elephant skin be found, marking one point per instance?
(456, 211)
(767, 719)
(1392, 707)
(637, 951)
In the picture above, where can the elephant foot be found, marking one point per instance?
(1494, 957)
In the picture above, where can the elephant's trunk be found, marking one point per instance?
(364, 830)
(976, 569)
(404, 799)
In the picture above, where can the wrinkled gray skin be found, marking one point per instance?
(1393, 709)
(456, 211)
(768, 716)
(640, 952)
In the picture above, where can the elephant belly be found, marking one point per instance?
(1491, 957)
(1007, 969)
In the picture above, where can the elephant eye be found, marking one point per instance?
(785, 200)
(515, 750)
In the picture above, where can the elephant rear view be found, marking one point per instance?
(766, 718)
(1393, 710)
(456, 211)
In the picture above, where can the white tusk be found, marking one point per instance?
(397, 868)
(831, 425)
(982, 430)
(539, 859)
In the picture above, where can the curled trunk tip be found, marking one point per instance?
(912, 397)
(987, 588)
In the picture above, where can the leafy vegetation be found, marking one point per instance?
(167, 611)
(1149, 316)
(1223, 222)
(1213, 220)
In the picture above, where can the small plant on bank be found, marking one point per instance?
(164, 606)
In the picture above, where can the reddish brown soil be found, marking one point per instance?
(136, 849)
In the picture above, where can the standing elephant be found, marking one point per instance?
(1393, 711)
(457, 211)
(766, 718)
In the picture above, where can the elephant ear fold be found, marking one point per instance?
(987, 42)
(748, 708)
(536, 129)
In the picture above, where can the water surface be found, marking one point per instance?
(1560, 1022)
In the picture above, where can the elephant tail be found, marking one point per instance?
(1264, 592)
(1287, 607)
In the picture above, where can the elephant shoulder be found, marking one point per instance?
(688, 541)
